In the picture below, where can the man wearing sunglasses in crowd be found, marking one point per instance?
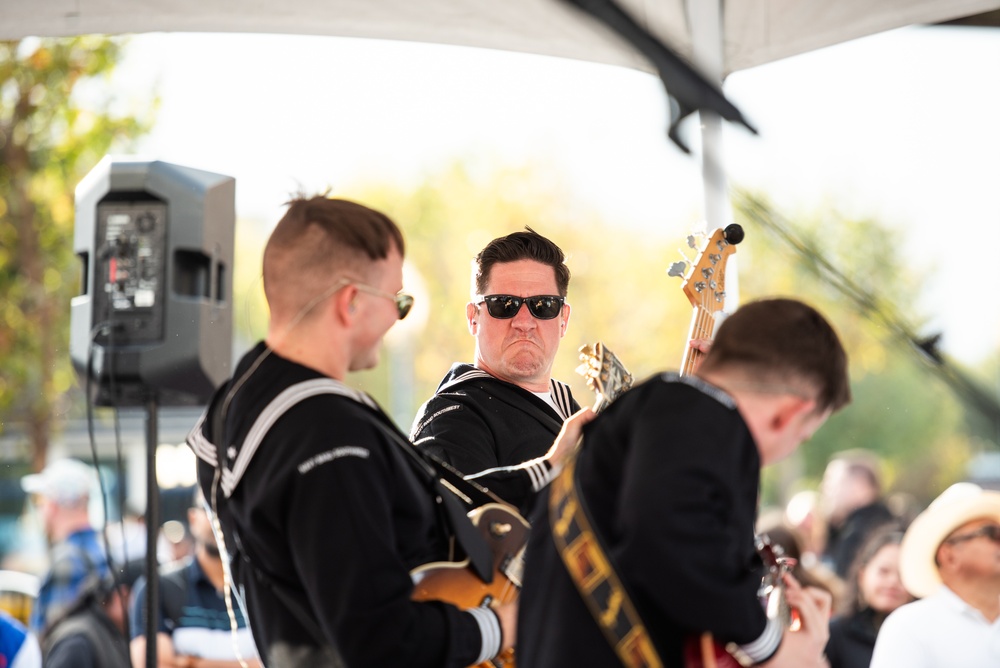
(325, 507)
(950, 560)
(495, 420)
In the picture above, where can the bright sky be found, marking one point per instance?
(901, 127)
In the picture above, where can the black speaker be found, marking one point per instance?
(154, 317)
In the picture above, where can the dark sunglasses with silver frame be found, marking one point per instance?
(404, 302)
(504, 307)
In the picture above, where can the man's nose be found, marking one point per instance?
(523, 318)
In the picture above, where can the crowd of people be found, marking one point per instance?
(316, 519)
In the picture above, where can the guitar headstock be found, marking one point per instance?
(604, 373)
(705, 281)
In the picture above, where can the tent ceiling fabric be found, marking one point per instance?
(755, 31)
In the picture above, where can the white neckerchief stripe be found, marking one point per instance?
(273, 411)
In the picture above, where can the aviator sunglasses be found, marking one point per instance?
(404, 302)
(503, 307)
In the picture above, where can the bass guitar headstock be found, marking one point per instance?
(705, 286)
(705, 280)
(604, 373)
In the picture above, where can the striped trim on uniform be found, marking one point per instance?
(292, 395)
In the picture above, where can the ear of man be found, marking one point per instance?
(787, 408)
(471, 316)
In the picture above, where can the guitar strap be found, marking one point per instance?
(591, 569)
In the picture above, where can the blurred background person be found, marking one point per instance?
(852, 502)
(874, 589)
(18, 646)
(91, 632)
(950, 559)
(193, 628)
(62, 493)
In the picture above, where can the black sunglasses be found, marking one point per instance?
(503, 307)
(991, 531)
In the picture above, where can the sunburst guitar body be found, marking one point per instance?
(506, 533)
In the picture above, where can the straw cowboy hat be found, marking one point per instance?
(960, 503)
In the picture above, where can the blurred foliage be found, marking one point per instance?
(54, 128)
(903, 409)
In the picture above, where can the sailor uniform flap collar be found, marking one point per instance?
(234, 463)
(464, 373)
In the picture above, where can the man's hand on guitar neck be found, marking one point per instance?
(701, 345)
(507, 614)
(804, 647)
(569, 436)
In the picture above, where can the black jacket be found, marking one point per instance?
(670, 474)
(852, 639)
(491, 431)
(332, 514)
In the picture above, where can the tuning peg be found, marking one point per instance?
(677, 269)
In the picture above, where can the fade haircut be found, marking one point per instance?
(783, 341)
(528, 245)
(318, 240)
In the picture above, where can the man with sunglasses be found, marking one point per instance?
(495, 420)
(324, 507)
(950, 559)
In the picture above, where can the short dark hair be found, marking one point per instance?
(528, 245)
(319, 237)
(783, 340)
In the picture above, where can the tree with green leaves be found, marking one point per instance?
(49, 139)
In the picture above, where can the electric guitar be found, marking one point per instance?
(506, 533)
(604, 373)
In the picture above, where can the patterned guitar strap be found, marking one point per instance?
(594, 575)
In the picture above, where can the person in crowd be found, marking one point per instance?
(91, 632)
(495, 420)
(18, 646)
(62, 492)
(874, 589)
(324, 504)
(194, 629)
(852, 501)
(645, 540)
(950, 560)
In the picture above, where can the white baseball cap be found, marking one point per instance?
(64, 481)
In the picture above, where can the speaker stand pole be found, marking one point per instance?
(152, 531)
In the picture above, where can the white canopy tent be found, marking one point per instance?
(718, 37)
(753, 32)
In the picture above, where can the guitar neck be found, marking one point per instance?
(702, 327)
